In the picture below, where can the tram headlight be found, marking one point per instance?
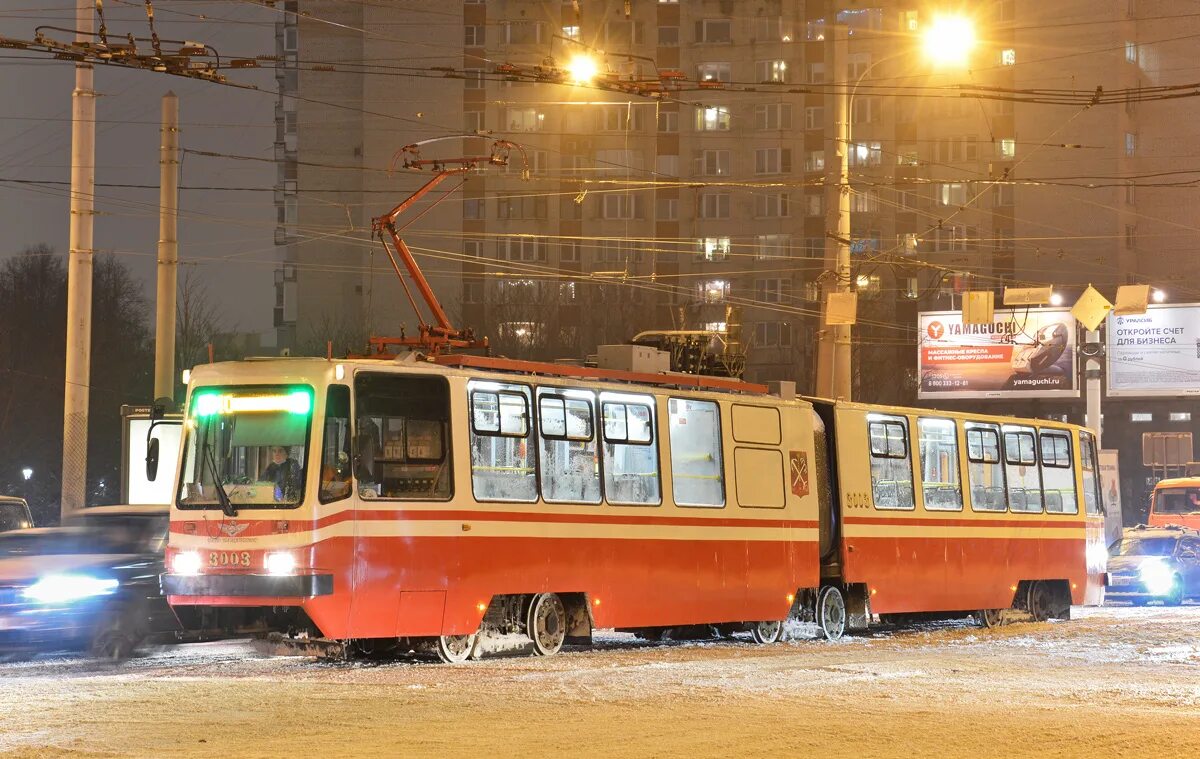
(1156, 576)
(279, 563)
(186, 563)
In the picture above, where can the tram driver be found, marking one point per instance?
(284, 472)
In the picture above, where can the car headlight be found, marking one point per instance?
(54, 589)
(186, 563)
(279, 563)
(1156, 576)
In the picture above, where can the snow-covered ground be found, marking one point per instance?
(1112, 682)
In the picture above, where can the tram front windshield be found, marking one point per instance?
(250, 442)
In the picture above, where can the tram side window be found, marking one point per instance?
(1058, 473)
(696, 469)
(891, 464)
(941, 483)
(1091, 477)
(984, 470)
(502, 464)
(630, 457)
(1021, 469)
(568, 467)
(335, 446)
(401, 437)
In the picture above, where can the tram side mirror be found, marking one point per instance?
(152, 459)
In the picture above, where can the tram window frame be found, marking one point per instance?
(719, 452)
(520, 390)
(1062, 460)
(368, 445)
(887, 454)
(954, 458)
(1020, 433)
(982, 459)
(327, 490)
(1090, 463)
(608, 449)
(567, 443)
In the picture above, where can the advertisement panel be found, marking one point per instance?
(1023, 353)
(1110, 487)
(1155, 353)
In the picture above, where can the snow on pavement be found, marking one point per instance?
(1112, 682)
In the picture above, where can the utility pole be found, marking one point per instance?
(168, 249)
(834, 371)
(79, 274)
(1091, 373)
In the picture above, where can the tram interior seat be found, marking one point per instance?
(941, 495)
(1054, 502)
(632, 488)
(988, 498)
(893, 494)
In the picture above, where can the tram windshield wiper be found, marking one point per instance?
(227, 507)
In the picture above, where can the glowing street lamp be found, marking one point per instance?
(1159, 296)
(582, 69)
(27, 472)
(949, 40)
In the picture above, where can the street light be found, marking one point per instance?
(582, 69)
(1159, 296)
(1056, 299)
(27, 472)
(947, 43)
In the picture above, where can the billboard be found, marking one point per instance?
(1155, 353)
(1023, 353)
(1110, 487)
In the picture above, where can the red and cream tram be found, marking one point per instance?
(384, 501)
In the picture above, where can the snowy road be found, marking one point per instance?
(1113, 682)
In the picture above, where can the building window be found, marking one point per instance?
(714, 163)
(866, 154)
(814, 117)
(772, 71)
(771, 205)
(772, 160)
(522, 249)
(864, 201)
(524, 119)
(1180, 416)
(869, 286)
(861, 19)
(1140, 418)
(867, 110)
(1129, 193)
(1131, 52)
(1002, 195)
(666, 165)
(1008, 57)
(814, 31)
(712, 119)
(473, 121)
(522, 32)
(714, 72)
(668, 36)
(952, 194)
(619, 206)
(815, 73)
(814, 247)
(714, 291)
(619, 118)
(623, 33)
(774, 290)
(1006, 148)
(814, 160)
(668, 121)
(714, 205)
(571, 32)
(814, 204)
(712, 248)
(568, 252)
(472, 292)
(473, 208)
(474, 35)
(1130, 144)
(1130, 236)
(473, 79)
(772, 246)
(773, 116)
(472, 248)
(521, 207)
(667, 209)
(714, 30)
(772, 334)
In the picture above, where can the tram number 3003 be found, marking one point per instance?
(229, 558)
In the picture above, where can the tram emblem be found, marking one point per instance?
(799, 473)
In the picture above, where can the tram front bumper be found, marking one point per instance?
(245, 586)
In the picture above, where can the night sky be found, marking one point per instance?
(227, 235)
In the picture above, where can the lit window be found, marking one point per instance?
(1008, 57)
(712, 119)
(1141, 417)
(1007, 148)
(571, 32)
(713, 248)
(714, 291)
(714, 72)
(1130, 144)
(1131, 52)
(772, 71)
(1181, 416)
(814, 160)
(952, 194)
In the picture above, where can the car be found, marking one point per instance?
(90, 585)
(14, 514)
(1155, 563)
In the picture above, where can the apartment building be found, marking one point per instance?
(713, 206)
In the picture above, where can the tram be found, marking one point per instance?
(443, 499)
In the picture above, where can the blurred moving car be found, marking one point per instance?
(14, 514)
(1156, 564)
(90, 585)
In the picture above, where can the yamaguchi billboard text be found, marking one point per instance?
(1026, 352)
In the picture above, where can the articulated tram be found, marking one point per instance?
(443, 500)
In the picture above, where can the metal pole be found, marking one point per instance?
(168, 249)
(79, 275)
(843, 378)
(1092, 370)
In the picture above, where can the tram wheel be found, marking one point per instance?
(455, 649)
(767, 632)
(547, 623)
(1041, 601)
(831, 612)
(990, 618)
